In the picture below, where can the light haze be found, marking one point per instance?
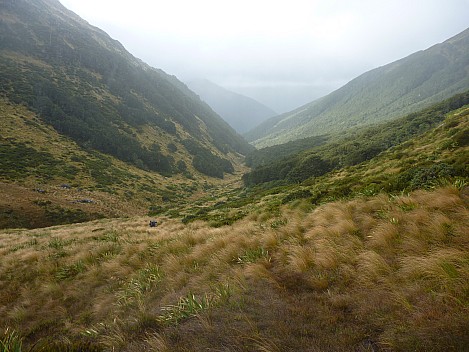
(282, 53)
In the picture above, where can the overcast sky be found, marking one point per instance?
(282, 53)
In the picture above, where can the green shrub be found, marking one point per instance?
(187, 307)
(301, 194)
(69, 271)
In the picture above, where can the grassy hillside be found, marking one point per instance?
(48, 179)
(402, 87)
(431, 159)
(90, 89)
(384, 272)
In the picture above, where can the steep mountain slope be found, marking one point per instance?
(354, 147)
(47, 179)
(89, 88)
(241, 112)
(382, 94)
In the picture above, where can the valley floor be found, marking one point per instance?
(373, 273)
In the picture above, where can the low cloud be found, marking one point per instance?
(292, 46)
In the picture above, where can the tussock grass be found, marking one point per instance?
(441, 270)
(157, 343)
(372, 268)
(381, 272)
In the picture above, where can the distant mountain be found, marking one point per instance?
(90, 89)
(241, 112)
(382, 94)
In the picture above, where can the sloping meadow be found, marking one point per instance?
(379, 272)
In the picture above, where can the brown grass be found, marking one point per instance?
(387, 273)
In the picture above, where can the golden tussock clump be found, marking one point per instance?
(372, 268)
(300, 258)
(157, 343)
(383, 235)
(440, 268)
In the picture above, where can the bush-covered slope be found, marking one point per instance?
(355, 147)
(89, 88)
(436, 157)
(404, 86)
(48, 179)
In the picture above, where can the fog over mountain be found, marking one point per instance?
(283, 54)
(241, 112)
(381, 94)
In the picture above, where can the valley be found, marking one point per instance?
(345, 230)
(338, 262)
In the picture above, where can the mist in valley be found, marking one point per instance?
(282, 54)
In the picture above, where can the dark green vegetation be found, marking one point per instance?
(354, 148)
(206, 162)
(18, 159)
(84, 84)
(47, 179)
(385, 93)
(268, 155)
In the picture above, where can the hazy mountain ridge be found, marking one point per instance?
(241, 112)
(381, 94)
(91, 89)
